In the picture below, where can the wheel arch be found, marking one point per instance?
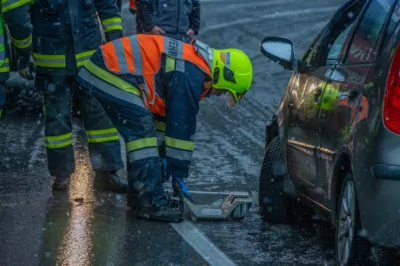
(272, 130)
(342, 167)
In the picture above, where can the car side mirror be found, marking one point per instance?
(280, 50)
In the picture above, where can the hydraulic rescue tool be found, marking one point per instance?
(234, 207)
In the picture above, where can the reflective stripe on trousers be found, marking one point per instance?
(22, 44)
(60, 141)
(160, 127)
(112, 24)
(42, 60)
(141, 149)
(102, 135)
(179, 149)
(59, 61)
(5, 67)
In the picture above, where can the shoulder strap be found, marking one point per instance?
(205, 51)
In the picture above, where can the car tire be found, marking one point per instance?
(272, 200)
(351, 248)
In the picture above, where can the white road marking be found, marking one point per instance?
(268, 16)
(210, 1)
(38, 145)
(213, 192)
(126, 5)
(202, 244)
(251, 5)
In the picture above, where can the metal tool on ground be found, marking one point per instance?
(234, 207)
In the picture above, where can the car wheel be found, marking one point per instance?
(351, 248)
(272, 200)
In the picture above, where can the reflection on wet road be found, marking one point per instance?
(95, 228)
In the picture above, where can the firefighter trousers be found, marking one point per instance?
(102, 136)
(2, 96)
(144, 137)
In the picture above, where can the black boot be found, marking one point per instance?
(110, 181)
(60, 183)
(161, 214)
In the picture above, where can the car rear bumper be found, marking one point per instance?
(380, 206)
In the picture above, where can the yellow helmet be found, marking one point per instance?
(232, 71)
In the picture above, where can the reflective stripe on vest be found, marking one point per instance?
(110, 84)
(137, 55)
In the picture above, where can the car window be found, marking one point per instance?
(392, 23)
(364, 44)
(310, 53)
(336, 48)
(338, 33)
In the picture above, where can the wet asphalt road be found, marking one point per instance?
(39, 229)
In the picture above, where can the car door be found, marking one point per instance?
(305, 96)
(303, 129)
(344, 98)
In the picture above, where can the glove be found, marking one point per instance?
(179, 186)
(164, 176)
(26, 67)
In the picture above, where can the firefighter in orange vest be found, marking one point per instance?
(137, 76)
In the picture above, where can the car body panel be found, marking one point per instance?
(344, 105)
(303, 131)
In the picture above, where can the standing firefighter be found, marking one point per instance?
(65, 35)
(178, 19)
(16, 15)
(141, 75)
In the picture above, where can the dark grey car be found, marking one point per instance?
(334, 142)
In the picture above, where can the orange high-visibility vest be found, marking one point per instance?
(140, 55)
(132, 5)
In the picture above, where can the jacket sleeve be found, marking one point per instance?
(110, 17)
(195, 17)
(145, 14)
(16, 15)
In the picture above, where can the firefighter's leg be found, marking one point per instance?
(57, 96)
(104, 146)
(185, 88)
(135, 123)
(160, 132)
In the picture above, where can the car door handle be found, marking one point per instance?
(317, 94)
